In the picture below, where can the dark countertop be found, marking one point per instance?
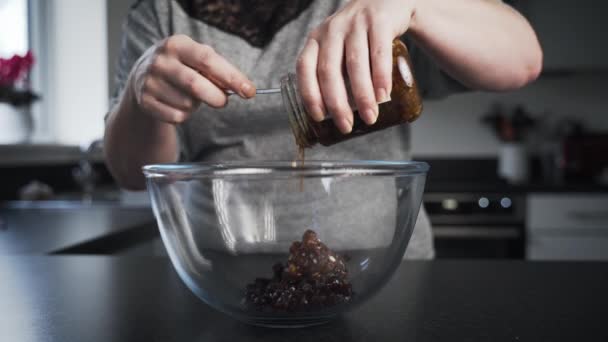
(69, 298)
(99, 228)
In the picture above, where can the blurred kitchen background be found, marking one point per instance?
(519, 175)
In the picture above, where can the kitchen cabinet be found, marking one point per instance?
(567, 226)
(572, 33)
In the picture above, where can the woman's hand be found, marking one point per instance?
(483, 44)
(165, 86)
(175, 76)
(358, 39)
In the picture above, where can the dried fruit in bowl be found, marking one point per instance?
(314, 277)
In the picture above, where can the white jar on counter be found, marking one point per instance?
(16, 124)
(513, 163)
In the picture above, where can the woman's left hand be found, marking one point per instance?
(358, 39)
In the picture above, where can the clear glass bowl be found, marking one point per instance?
(225, 225)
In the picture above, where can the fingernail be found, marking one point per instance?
(382, 95)
(247, 90)
(318, 115)
(370, 116)
(344, 125)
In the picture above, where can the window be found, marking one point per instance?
(23, 27)
(14, 21)
(68, 39)
(14, 39)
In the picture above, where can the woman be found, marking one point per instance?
(179, 57)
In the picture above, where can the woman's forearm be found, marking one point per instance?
(482, 43)
(133, 140)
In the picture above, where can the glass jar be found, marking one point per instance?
(405, 106)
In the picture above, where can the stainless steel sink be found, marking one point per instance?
(75, 200)
(103, 227)
(64, 204)
(97, 196)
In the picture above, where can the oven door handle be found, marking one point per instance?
(477, 232)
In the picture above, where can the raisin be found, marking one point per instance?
(313, 277)
(277, 269)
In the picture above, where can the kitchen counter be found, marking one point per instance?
(74, 298)
(73, 228)
(43, 154)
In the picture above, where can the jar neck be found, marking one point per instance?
(301, 127)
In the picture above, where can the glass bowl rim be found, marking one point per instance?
(281, 169)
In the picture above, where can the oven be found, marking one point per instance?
(477, 225)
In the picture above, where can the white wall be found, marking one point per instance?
(452, 128)
(76, 96)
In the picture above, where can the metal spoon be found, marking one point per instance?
(259, 91)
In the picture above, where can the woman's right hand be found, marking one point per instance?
(173, 77)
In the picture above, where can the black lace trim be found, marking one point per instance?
(256, 21)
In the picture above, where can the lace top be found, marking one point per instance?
(256, 21)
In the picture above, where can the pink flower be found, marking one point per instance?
(15, 68)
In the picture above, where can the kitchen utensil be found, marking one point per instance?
(225, 225)
(259, 91)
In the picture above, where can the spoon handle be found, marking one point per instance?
(259, 91)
